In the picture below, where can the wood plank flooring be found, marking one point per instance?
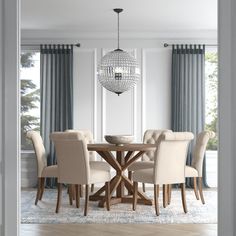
(119, 229)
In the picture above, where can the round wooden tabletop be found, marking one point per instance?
(125, 147)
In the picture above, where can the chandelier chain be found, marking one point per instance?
(118, 46)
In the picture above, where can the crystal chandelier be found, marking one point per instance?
(118, 71)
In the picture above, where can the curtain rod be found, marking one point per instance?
(31, 44)
(208, 45)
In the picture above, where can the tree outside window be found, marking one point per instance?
(30, 95)
(211, 68)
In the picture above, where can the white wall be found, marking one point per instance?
(145, 107)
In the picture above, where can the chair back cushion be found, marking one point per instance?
(151, 136)
(88, 137)
(199, 150)
(170, 157)
(39, 149)
(72, 157)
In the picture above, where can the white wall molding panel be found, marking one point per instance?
(156, 88)
(119, 112)
(85, 89)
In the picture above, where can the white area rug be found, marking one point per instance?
(44, 212)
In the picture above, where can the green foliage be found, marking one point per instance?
(212, 143)
(30, 96)
(211, 110)
(26, 59)
(212, 57)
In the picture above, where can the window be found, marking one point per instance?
(30, 95)
(211, 96)
(211, 115)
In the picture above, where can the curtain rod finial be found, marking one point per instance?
(77, 45)
(166, 45)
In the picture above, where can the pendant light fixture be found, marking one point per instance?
(118, 71)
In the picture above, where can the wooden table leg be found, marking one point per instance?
(120, 187)
(120, 181)
(113, 186)
(97, 196)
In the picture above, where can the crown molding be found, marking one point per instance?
(75, 34)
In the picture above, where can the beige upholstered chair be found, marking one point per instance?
(150, 136)
(74, 166)
(44, 171)
(195, 170)
(169, 166)
(88, 137)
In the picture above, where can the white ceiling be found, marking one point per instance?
(138, 15)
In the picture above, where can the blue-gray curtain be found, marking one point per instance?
(56, 86)
(188, 93)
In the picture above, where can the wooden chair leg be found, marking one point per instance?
(86, 199)
(164, 192)
(92, 188)
(156, 196)
(73, 192)
(77, 196)
(135, 195)
(108, 195)
(183, 197)
(38, 191)
(195, 187)
(200, 189)
(70, 194)
(130, 175)
(143, 185)
(81, 190)
(42, 185)
(59, 190)
(169, 190)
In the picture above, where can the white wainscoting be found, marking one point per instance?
(156, 88)
(85, 89)
(119, 112)
(147, 106)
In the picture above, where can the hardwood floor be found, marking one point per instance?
(119, 229)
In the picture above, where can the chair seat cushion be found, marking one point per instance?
(144, 176)
(50, 171)
(190, 172)
(139, 165)
(99, 176)
(99, 165)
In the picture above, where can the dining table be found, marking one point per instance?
(125, 155)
